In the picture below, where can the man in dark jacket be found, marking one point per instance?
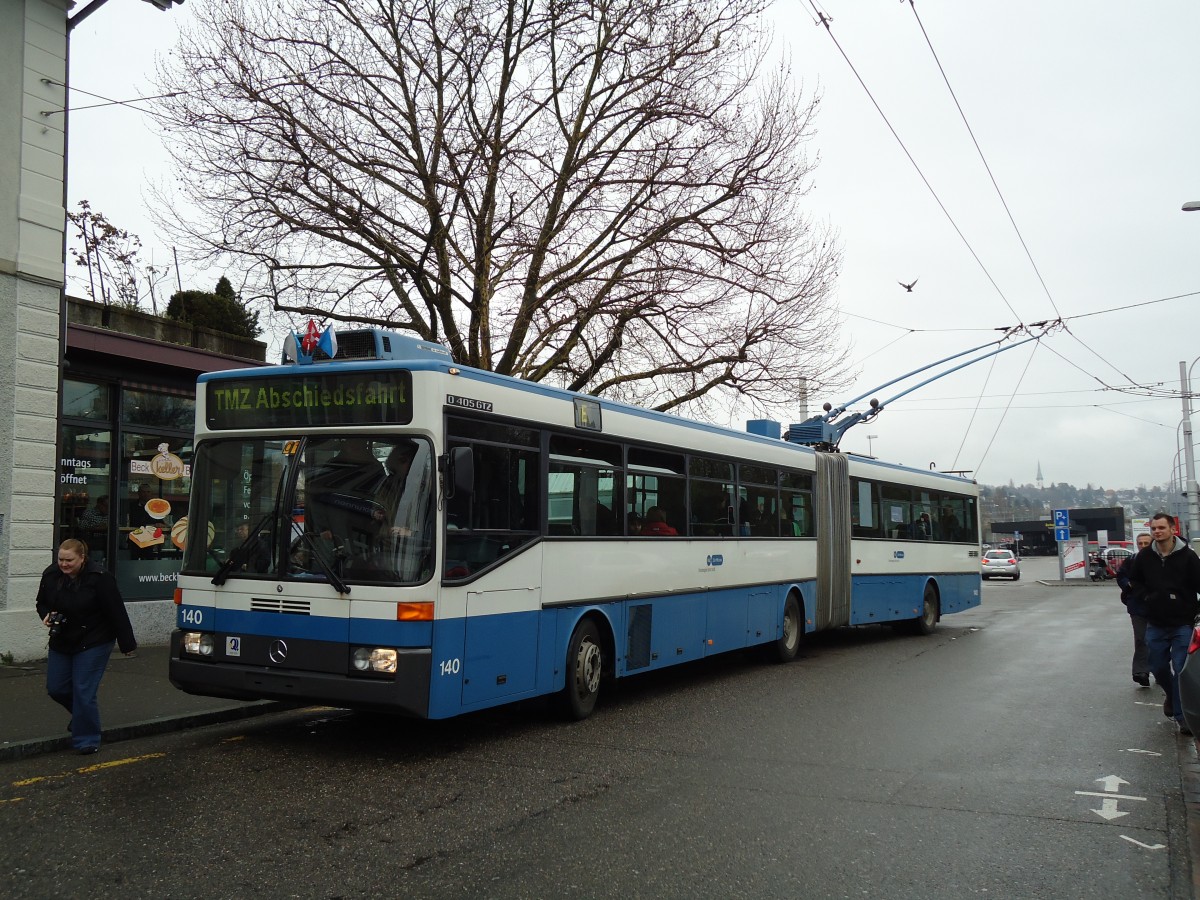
(1135, 605)
(1167, 575)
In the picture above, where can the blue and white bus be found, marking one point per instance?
(392, 531)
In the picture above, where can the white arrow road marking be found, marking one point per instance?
(1109, 796)
(1108, 809)
(1108, 806)
(1144, 846)
(1148, 752)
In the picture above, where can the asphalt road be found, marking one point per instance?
(1009, 756)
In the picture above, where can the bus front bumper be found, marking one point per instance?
(407, 692)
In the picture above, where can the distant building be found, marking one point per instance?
(1037, 535)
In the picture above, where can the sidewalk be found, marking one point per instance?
(136, 699)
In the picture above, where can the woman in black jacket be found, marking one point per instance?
(80, 603)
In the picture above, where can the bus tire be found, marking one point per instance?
(585, 666)
(792, 627)
(926, 622)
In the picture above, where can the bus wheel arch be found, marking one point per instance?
(589, 660)
(787, 647)
(931, 610)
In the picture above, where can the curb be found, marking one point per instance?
(1189, 766)
(161, 725)
(1108, 584)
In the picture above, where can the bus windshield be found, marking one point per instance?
(337, 508)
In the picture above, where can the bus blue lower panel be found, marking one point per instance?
(893, 598)
(467, 664)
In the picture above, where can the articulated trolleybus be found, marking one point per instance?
(390, 531)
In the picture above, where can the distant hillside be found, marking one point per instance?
(1028, 501)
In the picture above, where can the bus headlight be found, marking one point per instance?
(197, 643)
(374, 659)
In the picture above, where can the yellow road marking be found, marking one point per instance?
(112, 763)
(12, 800)
(108, 764)
(230, 740)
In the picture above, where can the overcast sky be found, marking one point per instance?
(1086, 113)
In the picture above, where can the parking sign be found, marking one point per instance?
(1061, 519)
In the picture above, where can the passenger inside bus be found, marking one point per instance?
(656, 523)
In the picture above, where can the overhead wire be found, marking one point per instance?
(1147, 391)
(953, 96)
(825, 20)
(1004, 415)
(108, 101)
(975, 412)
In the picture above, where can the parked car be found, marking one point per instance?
(1105, 563)
(1000, 564)
(1189, 685)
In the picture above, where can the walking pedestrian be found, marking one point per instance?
(1167, 574)
(81, 606)
(1135, 605)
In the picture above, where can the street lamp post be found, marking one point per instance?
(1193, 498)
(1189, 457)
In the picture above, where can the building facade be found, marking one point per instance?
(33, 69)
(96, 403)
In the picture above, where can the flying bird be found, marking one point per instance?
(909, 287)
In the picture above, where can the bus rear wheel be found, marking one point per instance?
(926, 623)
(788, 645)
(585, 665)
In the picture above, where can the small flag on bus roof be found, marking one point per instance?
(301, 347)
(327, 342)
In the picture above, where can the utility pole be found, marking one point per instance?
(1189, 458)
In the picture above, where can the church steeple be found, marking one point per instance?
(1039, 475)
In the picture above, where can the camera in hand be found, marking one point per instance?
(57, 621)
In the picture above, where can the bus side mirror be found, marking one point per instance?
(462, 472)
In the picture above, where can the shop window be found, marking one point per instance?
(84, 400)
(153, 487)
(158, 410)
(84, 483)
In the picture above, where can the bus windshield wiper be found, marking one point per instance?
(237, 555)
(340, 586)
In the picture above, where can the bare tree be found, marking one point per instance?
(602, 194)
(109, 254)
(112, 257)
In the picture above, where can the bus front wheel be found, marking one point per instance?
(585, 665)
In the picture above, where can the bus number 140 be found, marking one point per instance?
(450, 666)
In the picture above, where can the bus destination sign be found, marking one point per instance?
(303, 399)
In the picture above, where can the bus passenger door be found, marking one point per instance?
(500, 652)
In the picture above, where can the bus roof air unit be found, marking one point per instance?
(377, 343)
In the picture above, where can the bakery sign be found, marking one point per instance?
(164, 465)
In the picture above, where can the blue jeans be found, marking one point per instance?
(73, 681)
(1166, 652)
